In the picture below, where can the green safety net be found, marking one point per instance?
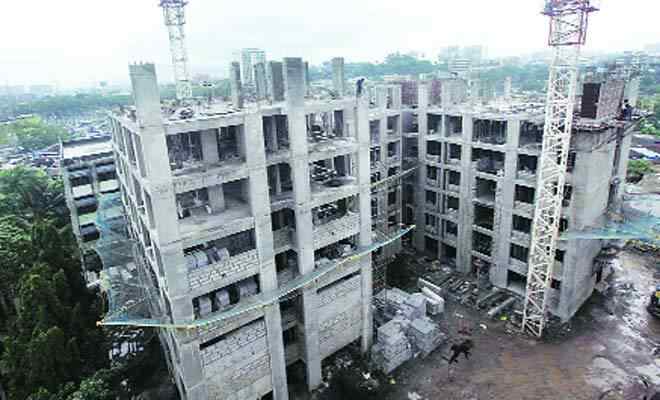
(131, 286)
(638, 217)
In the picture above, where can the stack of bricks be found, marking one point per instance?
(392, 348)
(425, 335)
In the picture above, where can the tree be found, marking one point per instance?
(33, 133)
(31, 194)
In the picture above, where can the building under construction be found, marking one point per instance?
(233, 203)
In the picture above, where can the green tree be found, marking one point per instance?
(31, 194)
(33, 133)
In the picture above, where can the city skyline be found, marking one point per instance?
(89, 43)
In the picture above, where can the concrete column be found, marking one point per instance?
(397, 99)
(210, 146)
(504, 207)
(154, 147)
(463, 252)
(381, 97)
(216, 198)
(236, 85)
(422, 122)
(260, 80)
(364, 182)
(260, 207)
(295, 107)
(338, 76)
(96, 189)
(307, 80)
(278, 180)
(275, 81)
(272, 136)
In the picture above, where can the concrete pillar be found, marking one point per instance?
(364, 183)
(507, 88)
(295, 107)
(275, 81)
(216, 198)
(307, 80)
(260, 207)
(210, 146)
(420, 200)
(381, 99)
(463, 252)
(236, 86)
(504, 207)
(475, 97)
(338, 76)
(260, 80)
(397, 99)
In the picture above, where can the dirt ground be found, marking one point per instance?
(611, 343)
(607, 352)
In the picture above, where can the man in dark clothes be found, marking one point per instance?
(464, 347)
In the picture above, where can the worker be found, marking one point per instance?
(626, 111)
(464, 347)
(360, 83)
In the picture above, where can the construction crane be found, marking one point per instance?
(175, 19)
(568, 30)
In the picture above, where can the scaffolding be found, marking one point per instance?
(132, 289)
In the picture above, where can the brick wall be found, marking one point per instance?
(231, 270)
(336, 230)
(340, 315)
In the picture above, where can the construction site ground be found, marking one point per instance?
(607, 351)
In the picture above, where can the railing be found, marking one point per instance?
(453, 188)
(230, 268)
(336, 230)
(524, 207)
(521, 237)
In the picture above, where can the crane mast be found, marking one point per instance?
(568, 29)
(175, 19)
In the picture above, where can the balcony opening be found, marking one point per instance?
(527, 167)
(568, 195)
(453, 153)
(516, 282)
(374, 132)
(434, 123)
(522, 224)
(485, 190)
(224, 298)
(393, 150)
(431, 246)
(184, 151)
(219, 250)
(524, 194)
(431, 224)
(329, 212)
(411, 150)
(448, 255)
(433, 148)
(531, 136)
(482, 243)
(230, 144)
(432, 173)
(519, 253)
(323, 126)
(489, 131)
(484, 217)
(283, 219)
(454, 126)
(392, 222)
(375, 177)
(450, 228)
(393, 171)
(286, 265)
(452, 180)
(431, 198)
(487, 161)
(570, 162)
(333, 172)
(280, 184)
(335, 251)
(374, 156)
(452, 205)
(393, 125)
(213, 200)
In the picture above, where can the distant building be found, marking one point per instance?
(88, 172)
(249, 58)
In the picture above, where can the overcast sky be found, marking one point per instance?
(74, 42)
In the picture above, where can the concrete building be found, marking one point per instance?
(250, 57)
(234, 203)
(473, 196)
(88, 172)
